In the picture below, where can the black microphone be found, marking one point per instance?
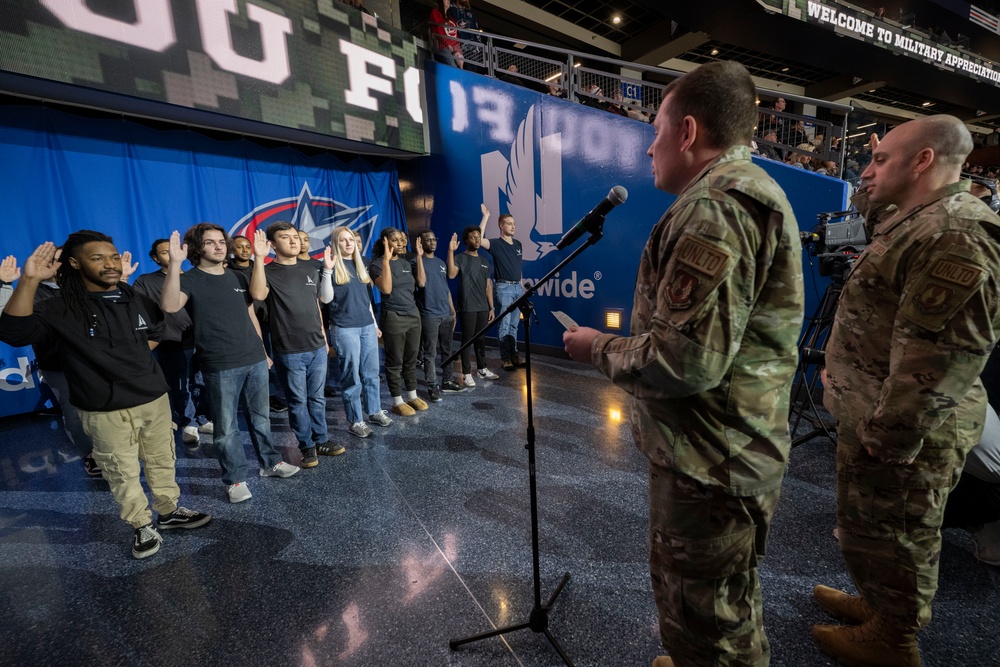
(593, 220)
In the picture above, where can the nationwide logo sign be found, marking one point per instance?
(319, 66)
(856, 24)
(537, 211)
(537, 207)
(317, 216)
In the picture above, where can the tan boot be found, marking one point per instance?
(842, 606)
(875, 643)
(663, 661)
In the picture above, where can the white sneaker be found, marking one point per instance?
(487, 374)
(469, 381)
(238, 492)
(190, 434)
(280, 469)
(987, 541)
(207, 427)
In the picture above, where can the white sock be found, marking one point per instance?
(410, 395)
(397, 400)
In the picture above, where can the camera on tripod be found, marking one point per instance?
(836, 244)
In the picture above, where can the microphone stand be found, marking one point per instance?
(538, 619)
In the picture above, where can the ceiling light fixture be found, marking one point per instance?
(927, 104)
(784, 69)
(616, 19)
(714, 52)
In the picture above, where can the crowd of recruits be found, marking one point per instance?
(128, 352)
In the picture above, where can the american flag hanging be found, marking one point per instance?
(984, 19)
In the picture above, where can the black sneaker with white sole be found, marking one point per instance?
(146, 541)
(182, 517)
(451, 387)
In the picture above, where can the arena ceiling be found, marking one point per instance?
(784, 52)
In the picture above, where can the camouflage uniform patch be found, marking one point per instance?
(933, 300)
(679, 292)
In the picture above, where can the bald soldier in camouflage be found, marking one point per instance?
(708, 364)
(916, 322)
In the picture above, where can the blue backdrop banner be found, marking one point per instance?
(66, 172)
(549, 161)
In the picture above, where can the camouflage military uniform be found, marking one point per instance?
(718, 309)
(916, 322)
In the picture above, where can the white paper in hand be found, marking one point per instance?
(564, 319)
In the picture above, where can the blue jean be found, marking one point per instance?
(303, 374)
(357, 359)
(244, 386)
(506, 294)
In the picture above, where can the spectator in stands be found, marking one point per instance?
(764, 150)
(443, 33)
(591, 98)
(615, 106)
(468, 29)
(799, 160)
(994, 138)
(509, 76)
(556, 90)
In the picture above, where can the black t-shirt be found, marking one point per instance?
(292, 301)
(506, 259)
(432, 298)
(178, 325)
(223, 333)
(351, 305)
(473, 272)
(400, 300)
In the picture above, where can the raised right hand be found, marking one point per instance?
(178, 252)
(43, 263)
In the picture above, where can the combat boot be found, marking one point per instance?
(840, 605)
(875, 643)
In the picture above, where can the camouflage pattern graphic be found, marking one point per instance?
(717, 313)
(916, 323)
(703, 554)
(34, 42)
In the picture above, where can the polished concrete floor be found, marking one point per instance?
(417, 535)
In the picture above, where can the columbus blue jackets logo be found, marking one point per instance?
(316, 216)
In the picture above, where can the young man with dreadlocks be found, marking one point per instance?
(105, 332)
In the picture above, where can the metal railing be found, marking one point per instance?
(561, 72)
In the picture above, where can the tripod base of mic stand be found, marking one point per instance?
(538, 621)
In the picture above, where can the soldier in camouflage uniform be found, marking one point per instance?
(708, 365)
(916, 322)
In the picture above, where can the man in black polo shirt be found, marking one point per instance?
(293, 290)
(227, 338)
(506, 253)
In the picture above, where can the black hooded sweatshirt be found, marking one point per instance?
(107, 360)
